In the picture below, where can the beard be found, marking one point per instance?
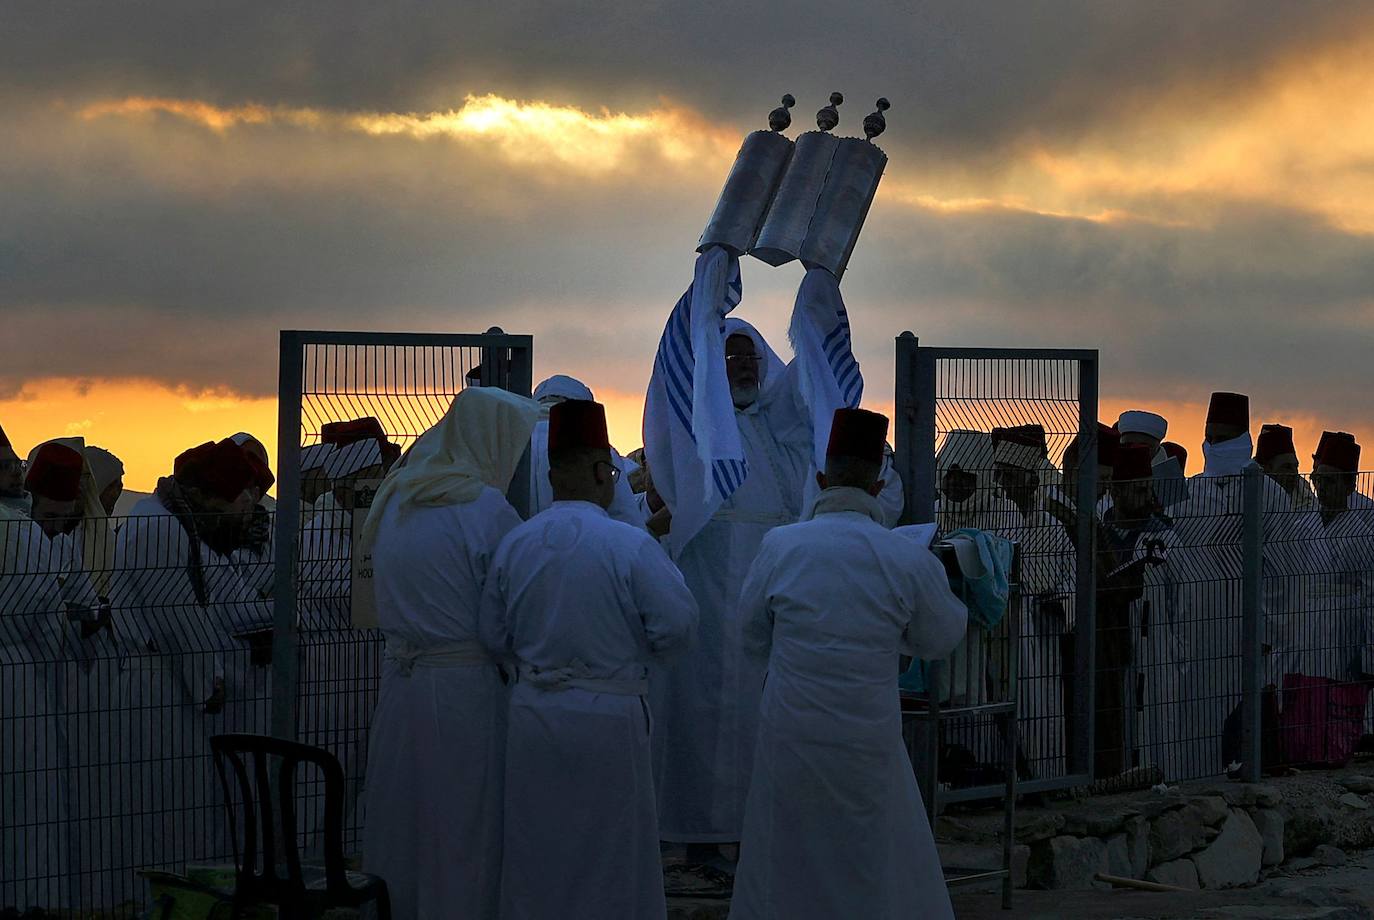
(744, 395)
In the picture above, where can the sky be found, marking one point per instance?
(1188, 187)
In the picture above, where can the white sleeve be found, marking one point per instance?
(755, 612)
(938, 618)
(666, 606)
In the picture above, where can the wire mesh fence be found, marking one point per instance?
(995, 421)
(126, 643)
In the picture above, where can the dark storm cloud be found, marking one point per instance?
(963, 76)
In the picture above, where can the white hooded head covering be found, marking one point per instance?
(558, 388)
(105, 467)
(771, 367)
(971, 451)
(477, 443)
(242, 439)
(1136, 421)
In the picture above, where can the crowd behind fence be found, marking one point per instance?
(107, 704)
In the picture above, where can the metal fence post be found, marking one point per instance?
(1081, 750)
(1252, 623)
(286, 539)
(521, 382)
(903, 425)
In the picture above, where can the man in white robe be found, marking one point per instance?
(34, 862)
(582, 605)
(177, 603)
(715, 517)
(1048, 578)
(548, 394)
(436, 753)
(1329, 658)
(1210, 527)
(834, 825)
(68, 506)
(1278, 457)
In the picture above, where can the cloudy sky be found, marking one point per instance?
(1187, 186)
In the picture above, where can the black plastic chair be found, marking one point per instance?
(268, 863)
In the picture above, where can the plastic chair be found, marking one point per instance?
(268, 865)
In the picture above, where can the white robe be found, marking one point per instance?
(436, 753)
(172, 651)
(591, 602)
(706, 702)
(1209, 563)
(33, 845)
(834, 825)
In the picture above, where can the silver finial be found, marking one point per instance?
(875, 123)
(829, 117)
(779, 119)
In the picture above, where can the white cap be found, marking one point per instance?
(1137, 421)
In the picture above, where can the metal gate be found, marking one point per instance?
(941, 390)
(325, 673)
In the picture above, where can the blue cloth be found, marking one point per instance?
(984, 595)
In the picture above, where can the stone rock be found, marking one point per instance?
(1269, 823)
(1327, 855)
(1301, 864)
(1351, 800)
(1160, 802)
(1138, 845)
(1234, 858)
(1119, 856)
(1305, 828)
(1248, 795)
(1065, 862)
(1035, 826)
(1097, 823)
(1181, 831)
(1358, 782)
(1181, 873)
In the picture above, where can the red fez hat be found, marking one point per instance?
(578, 423)
(222, 469)
(56, 473)
(1274, 441)
(1338, 449)
(1177, 452)
(857, 433)
(1133, 461)
(342, 434)
(1229, 409)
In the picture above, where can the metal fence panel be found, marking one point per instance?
(942, 390)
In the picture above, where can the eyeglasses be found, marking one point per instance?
(615, 470)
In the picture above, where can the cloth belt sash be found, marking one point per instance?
(577, 677)
(458, 654)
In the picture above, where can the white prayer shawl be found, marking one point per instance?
(584, 605)
(1331, 633)
(436, 754)
(353, 458)
(834, 825)
(33, 810)
(729, 476)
